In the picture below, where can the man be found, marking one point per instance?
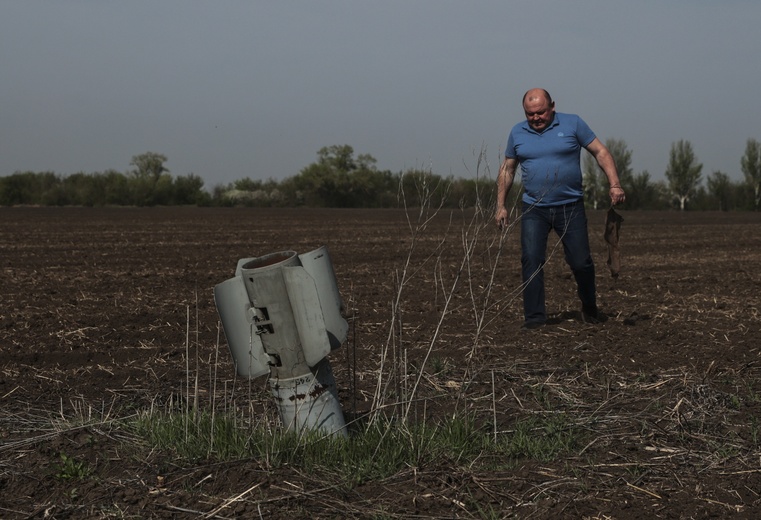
(547, 146)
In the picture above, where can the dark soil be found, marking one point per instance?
(99, 309)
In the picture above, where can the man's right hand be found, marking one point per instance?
(504, 183)
(501, 218)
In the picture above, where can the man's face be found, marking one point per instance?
(539, 112)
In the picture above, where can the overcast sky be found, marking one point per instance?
(234, 89)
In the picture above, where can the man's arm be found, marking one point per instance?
(604, 158)
(504, 183)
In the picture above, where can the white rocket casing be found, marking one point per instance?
(236, 314)
(303, 307)
(282, 315)
(319, 266)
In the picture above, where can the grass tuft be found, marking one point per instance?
(376, 450)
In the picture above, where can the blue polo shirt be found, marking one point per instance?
(550, 160)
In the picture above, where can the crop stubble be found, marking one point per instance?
(98, 304)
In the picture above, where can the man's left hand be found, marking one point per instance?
(617, 195)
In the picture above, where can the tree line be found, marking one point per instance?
(341, 179)
(148, 184)
(683, 187)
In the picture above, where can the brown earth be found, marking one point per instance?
(103, 310)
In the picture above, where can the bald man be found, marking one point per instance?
(547, 146)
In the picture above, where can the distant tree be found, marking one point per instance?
(701, 200)
(116, 188)
(720, 188)
(683, 172)
(163, 191)
(27, 187)
(82, 189)
(261, 194)
(188, 190)
(622, 156)
(320, 184)
(595, 184)
(423, 188)
(150, 183)
(149, 165)
(371, 188)
(366, 162)
(641, 193)
(247, 184)
(471, 193)
(219, 196)
(339, 180)
(660, 198)
(338, 157)
(751, 168)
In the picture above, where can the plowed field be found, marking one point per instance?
(108, 313)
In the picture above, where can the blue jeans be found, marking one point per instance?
(570, 223)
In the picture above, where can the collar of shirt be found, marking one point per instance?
(554, 123)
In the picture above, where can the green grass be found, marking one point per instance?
(70, 468)
(371, 451)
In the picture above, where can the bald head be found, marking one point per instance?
(537, 94)
(539, 108)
